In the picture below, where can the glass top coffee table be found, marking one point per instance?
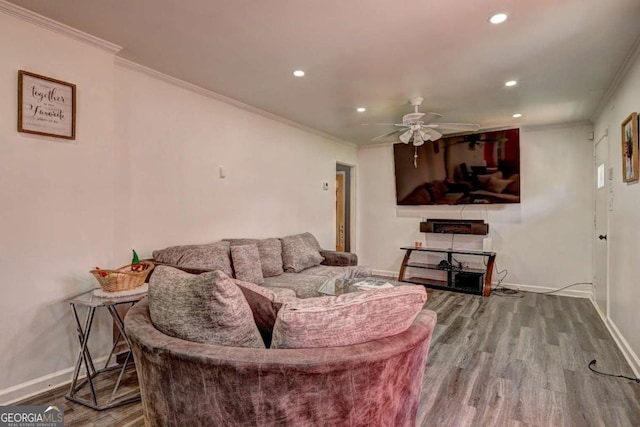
(345, 286)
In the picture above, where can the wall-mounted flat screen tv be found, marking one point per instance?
(478, 168)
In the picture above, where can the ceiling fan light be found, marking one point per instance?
(425, 136)
(417, 139)
(405, 137)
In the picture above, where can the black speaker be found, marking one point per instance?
(469, 281)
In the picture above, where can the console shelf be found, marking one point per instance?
(458, 277)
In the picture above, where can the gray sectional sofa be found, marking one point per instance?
(246, 342)
(294, 262)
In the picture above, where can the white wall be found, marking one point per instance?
(624, 233)
(544, 242)
(56, 217)
(142, 173)
(175, 141)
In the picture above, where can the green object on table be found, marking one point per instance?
(135, 260)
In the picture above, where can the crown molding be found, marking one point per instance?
(125, 63)
(57, 27)
(618, 78)
(551, 126)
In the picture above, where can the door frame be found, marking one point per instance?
(344, 202)
(608, 182)
(351, 201)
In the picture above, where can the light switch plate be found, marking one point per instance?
(325, 185)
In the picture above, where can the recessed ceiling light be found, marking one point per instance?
(361, 109)
(517, 115)
(298, 73)
(510, 83)
(498, 18)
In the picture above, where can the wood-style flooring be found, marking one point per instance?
(496, 361)
(504, 361)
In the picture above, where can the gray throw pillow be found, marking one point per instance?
(206, 308)
(299, 252)
(270, 254)
(212, 256)
(246, 263)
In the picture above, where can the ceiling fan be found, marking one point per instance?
(478, 140)
(418, 127)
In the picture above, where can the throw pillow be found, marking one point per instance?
(212, 256)
(311, 239)
(206, 308)
(264, 304)
(347, 319)
(270, 254)
(497, 185)
(300, 252)
(246, 263)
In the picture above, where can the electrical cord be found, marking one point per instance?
(500, 290)
(593, 362)
(568, 286)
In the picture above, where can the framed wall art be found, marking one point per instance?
(46, 106)
(630, 149)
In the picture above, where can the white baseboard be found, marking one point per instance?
(623, 345)
(576, 293)
(17, 393)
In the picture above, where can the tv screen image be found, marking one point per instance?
(477, 168)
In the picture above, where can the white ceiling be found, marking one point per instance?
(376, 53)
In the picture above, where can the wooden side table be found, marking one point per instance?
(92, 302)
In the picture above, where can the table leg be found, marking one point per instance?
(83, 354)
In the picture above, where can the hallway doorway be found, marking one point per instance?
(343, 207)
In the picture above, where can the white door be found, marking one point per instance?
(601, 223)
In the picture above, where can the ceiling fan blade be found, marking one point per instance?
(405, 137)
(411, 118)
(386, 134)
(434, 135)
(429, 117)
(456, 126)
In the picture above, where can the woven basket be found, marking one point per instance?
(123, 279)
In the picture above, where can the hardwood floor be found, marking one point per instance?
(496, 361)
(503, 361)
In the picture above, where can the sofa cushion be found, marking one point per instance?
(304, 285)
(270, 254)
(246, 263)
(347, 319)
(336, 272)
(212, 256)
(300, 252)
(206, 308)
